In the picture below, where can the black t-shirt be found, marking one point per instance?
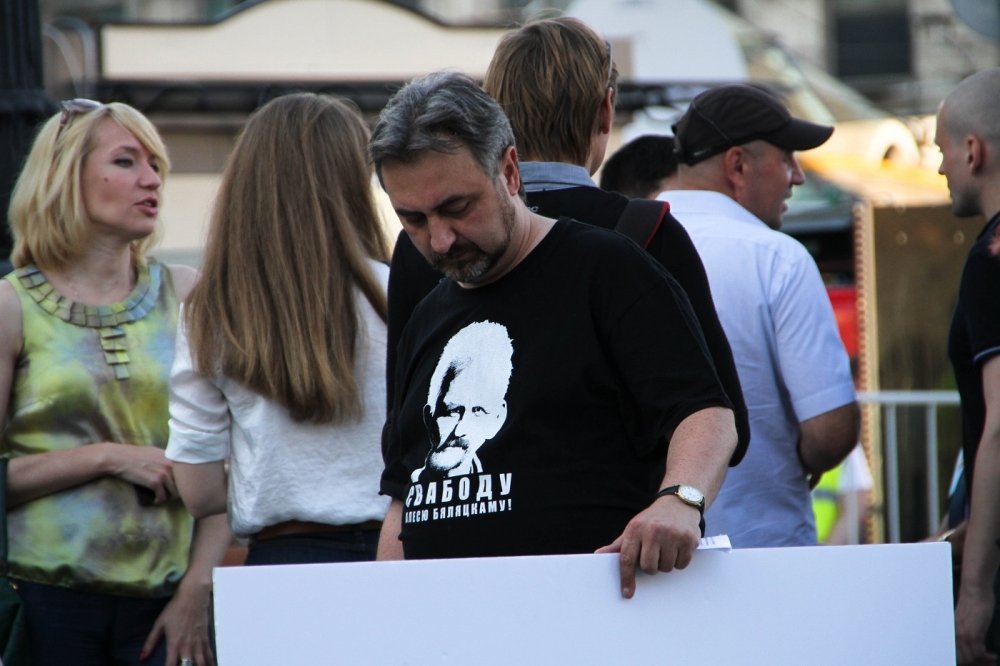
(557, 386)
(411, 278)
(975, 337)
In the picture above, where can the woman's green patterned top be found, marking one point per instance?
(95, 374)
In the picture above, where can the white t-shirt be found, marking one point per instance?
(280, 469)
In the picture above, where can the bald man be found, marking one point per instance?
(968, 134)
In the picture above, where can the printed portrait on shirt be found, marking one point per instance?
(466, 400)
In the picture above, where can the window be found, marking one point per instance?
(870, 40)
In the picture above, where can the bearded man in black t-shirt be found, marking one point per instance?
(614, 430)
(556, 81)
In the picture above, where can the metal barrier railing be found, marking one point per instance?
(889, 403)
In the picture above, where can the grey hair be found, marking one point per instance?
(442, 112)
(483, 348)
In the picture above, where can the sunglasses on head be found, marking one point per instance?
(73, 107)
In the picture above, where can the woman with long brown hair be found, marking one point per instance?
(281, 356)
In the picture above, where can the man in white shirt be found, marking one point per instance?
(736, 147)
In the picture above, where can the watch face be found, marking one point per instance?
(690, 495)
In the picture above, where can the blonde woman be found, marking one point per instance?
(100, 545)
(281, 356)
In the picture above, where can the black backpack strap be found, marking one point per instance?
(641, 219)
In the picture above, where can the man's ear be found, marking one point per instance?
(735, 163)
(975, 152)
(510, 170)
(606, 114)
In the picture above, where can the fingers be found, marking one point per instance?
(154, 493)
(189, 647)
(650, 553)
(180, 645)
(146, 466)
(664, 555)
(161, 479)
(627, 560)
(646, 554)
(683, 558)
(206, 657)
(650, 547)
(613, 547)
(193, 648)
(171, 486)
(150, 644)
(166, 490)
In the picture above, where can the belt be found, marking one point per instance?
(296, 527)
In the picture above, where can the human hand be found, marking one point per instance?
(184, 624)
(954, 536)
(144, 467)
(661, 538)
(957, 541)
(972, 619)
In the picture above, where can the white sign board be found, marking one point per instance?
(879, 604)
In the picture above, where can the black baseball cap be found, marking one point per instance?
(734, 114)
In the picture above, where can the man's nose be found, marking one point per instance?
(442, 236)
(460, 430)
(798, 176)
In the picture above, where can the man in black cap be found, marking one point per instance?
(736, 148)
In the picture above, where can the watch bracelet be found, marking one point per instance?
(672, 490)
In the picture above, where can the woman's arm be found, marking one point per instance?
(202, 487)
(186, 619)
(41, 474)
(199, 434)
(11, 342)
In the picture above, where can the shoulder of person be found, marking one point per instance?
(184, 278)
(590, 205)
(11, 335)
(786, 246)
(982, 258)
(585, 232)
(607, 253)
(9, 300)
